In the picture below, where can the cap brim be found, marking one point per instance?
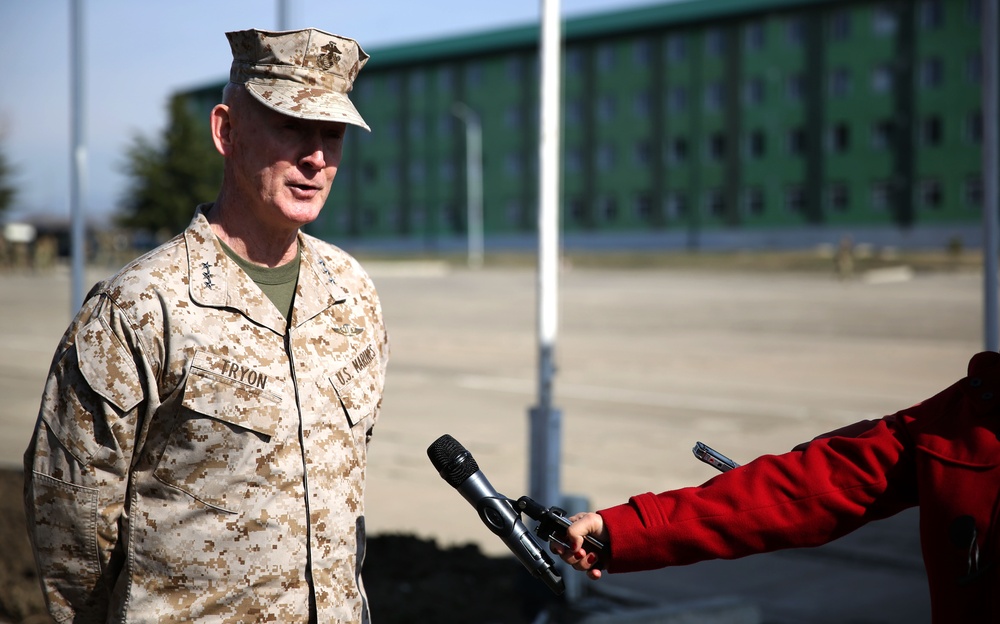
(307, 102)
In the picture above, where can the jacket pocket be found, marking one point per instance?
(359, 390)
(64, 532)
(223, 434)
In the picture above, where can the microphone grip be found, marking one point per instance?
(499, 516)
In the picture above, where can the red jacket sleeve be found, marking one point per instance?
(806, 497)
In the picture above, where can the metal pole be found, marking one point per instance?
(78, 156)
(282, 14)
(473, 181)
(990, 176)
(546, 425)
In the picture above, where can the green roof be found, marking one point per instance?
(602, 25)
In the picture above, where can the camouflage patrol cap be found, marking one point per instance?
(303, 73)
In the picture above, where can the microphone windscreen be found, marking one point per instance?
(452, 460)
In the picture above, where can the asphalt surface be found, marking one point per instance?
(649, 361)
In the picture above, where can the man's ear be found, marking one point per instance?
(221, 121)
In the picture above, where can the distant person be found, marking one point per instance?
(201, 446)
(942, 455)
(843, 259)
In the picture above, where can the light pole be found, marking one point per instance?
(991, 166)
(78, 156)
(473, 181)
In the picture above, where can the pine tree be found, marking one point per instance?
(170, 177)
(8, 192)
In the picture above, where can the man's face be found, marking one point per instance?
(284, 166)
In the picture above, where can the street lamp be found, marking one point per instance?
(473, 181)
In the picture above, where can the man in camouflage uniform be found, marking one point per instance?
(201, 446)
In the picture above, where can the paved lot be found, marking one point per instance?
(649, 362)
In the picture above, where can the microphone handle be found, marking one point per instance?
(499, 516)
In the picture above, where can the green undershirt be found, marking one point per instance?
(277, 283)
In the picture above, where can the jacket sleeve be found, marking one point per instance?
(807, 497)
(77, 462)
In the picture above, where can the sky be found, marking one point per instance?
(136, 54)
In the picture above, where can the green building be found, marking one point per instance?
(688, 124)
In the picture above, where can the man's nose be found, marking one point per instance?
(314, 155)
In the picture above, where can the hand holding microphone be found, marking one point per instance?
(577, 546)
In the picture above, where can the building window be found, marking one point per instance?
(678, 99)
(839, 197)
(513, 164)
(840, 25)
(609, 209)
(931, 194)
(840, 137)
(676, 205)
(795, 30)
(795, 87)
(642, 205)
(932, 130)
(931, 14)
(797, 141)
(606, 57)
(606, 107)
(417, 128)
(840, 82)
(931, 73)
(643, 153)
(417, 82)
(574, 60)
(642, 104)
(753, 201)
(880, 195)
(974, 10)
(512, 117)
(677, 47)
(513, 213)
(757, 144)
(606, 156)
(883, 20)
(795, 199)
(515, 68)
(417, 171)
(574, 160)
(974, 127)
(642, 52)
(447, 171)
(972, 190)
(753, 35)
(714, 95)
(446, 78)
(882, 131)
(881, 78)
(577, 210)
(393, 84)
(715, 203)
(473, 75)
(574, 112)
(754, 90)
(678, 150)
(715, 42)
(717, 146)
(974, 67)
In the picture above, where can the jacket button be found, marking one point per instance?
(987, 396)
(975, 382)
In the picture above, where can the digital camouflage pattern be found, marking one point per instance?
(303, 73)
(198, 458)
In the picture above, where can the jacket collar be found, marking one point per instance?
(216, 281)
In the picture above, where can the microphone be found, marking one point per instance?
(457, 466)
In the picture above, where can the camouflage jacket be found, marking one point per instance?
(196, 457)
